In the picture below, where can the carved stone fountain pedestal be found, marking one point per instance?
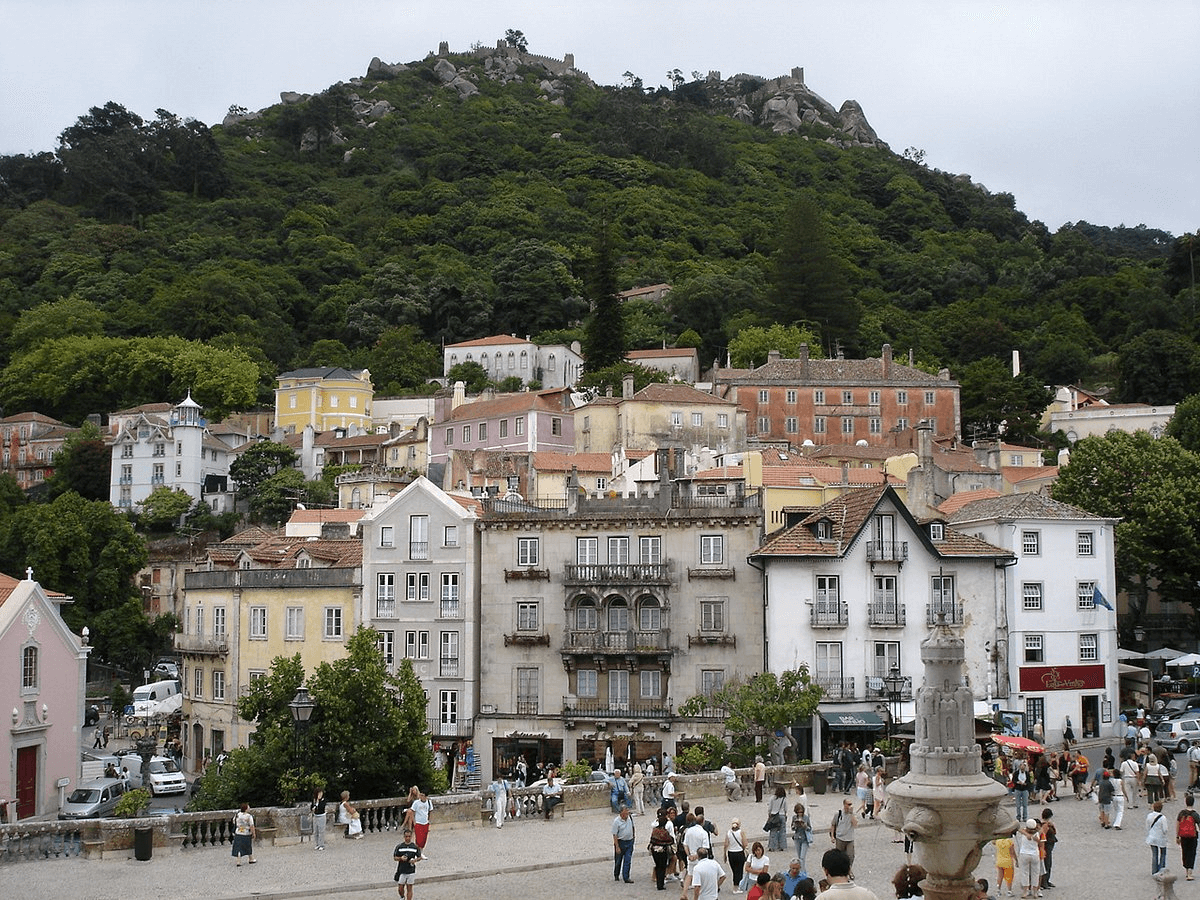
(945, 803)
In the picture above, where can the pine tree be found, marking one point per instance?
(604, 335)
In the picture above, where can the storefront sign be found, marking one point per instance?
(1062, 678)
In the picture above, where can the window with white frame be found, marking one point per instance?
(255, 675)
(828, 590)
(504, 428)
(1085, 595)
(450, 536)
(198, 683)
(386, 642)
(555, 425)
(618, 550)
(466, 434)
(527, 690)
(902, 422)
(676, 419)
(764, 424)
(711, 681)
(587, 551)
(450, 436)
(697, 419)
(586, 618)
(650, 549)
(829, 666)
(199, 621)
(651, 684)
(873, 398)
(448, 664)
(1031, 595)
(1089, 647)
(483, 429)
(418, 537)
(847, 398)
(528, 617)
(887, 657)
(519, 425)
(649, 615)
(1031, 543)
(712, 549)
(417, 586)
(763, 396)
(1085, 543)
(218, 684)
(294, 623)
(712, 614)
(586, 683)
(902, 398)
(29, 668)
(385, 595)
(618, 615)
(847, 424)
(601, 483)
(416, 644)
(527, 551)
(791, 425)
(875, 425)
(333, 623)
(219, 622)
(1034, 649)
(448, 707)
(387, 536)
(722, 420)
(450, 594)
(819, 397)
(791, 397)
(819, 425)
(258, 623)
(929, 398)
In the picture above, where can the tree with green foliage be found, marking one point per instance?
(750, 346)
(259, 463)
(368, 733)
(758, 708)
(1159, 367)
(597, 383)
(402, 361)
(1184, 426)
(995, 403)
(56, 319)
(473, 376)
(809, 280)
(604, 331)
(164, 509)
(276, 496)
(1153, 488)
(516, 39)
(82, 465)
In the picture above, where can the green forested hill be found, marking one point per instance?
(146, 257)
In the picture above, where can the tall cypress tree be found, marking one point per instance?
(604, 332)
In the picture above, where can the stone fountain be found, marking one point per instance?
(946, 804)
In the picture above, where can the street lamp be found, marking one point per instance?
(301, 707)
(894, 683)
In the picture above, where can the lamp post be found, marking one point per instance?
(301, 707)
(894, 683)
(1139, 635)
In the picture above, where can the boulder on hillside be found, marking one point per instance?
(292, 97)
(445, 71)
(379, 68)
(853, 121)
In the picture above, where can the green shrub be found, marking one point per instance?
(132, 804)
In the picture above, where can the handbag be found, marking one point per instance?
(355, 826)
(774, 820)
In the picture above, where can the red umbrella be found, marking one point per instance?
(1020, 743)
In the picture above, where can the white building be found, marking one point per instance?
(421, 593)
(1062, 651)
(504, 356)
(853, 589)
(175, 450)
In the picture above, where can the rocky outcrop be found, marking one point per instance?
(379, 69)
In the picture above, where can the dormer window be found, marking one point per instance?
(937, 531)
(824, 530)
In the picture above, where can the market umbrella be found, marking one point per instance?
(1018, 743)
(1188, 659)
(1163, 653)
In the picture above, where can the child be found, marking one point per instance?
(1004, 864)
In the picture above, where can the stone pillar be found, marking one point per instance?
(945, 803)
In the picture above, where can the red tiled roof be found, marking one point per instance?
(551, 461)
(954, 503)
(660, 353)
(312, 516)
(1014, 474)
(656, 392)
(507, 404)
(490, 341)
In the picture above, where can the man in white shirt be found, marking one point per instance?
(732, 791)
(1193, 766)
(1129, 781)
(668, 789)
(707, 877)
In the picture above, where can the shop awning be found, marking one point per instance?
(852, 721)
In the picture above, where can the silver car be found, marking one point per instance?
(93, 800)
(1179, 733)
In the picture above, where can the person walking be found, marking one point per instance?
(623, 835)
(421, 808)
(499, 789)
(777, 815)
(1029, 858)
(1186, 831)
(1049, 839)
(1022, 783)
(243, 835)
(637, 782)
(801, 833)
(1156, 837)
(1105, 795)
(407, 854)
(1005, 863)
(98, 734)
(760, 779)
(662, 845)
(756, 864)
(707, 876)
(735, 853)
(841, 829)
(317, 808)
(1118, 801)
(1155, 777)
(1129, 781)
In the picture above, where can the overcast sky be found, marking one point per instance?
(1084, 110)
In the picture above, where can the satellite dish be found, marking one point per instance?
(860, 443)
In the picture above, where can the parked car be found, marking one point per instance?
(1178, 734)
(93, 800)
(1173, 706)
(165, 669)
(165, 777)
(91, 715)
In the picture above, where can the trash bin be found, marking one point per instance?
(820, 780)
(143, 843)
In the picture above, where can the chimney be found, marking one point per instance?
(804, 360)
(772, 356)
(886, 359)
(460, 395)
(627, 386)
(1016, 363)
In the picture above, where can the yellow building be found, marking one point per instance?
(256, 598)
(325, 398)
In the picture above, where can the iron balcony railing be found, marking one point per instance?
(887, 551)
(616, 573)
(829, 614)
(609, 709)
(953, 611)
(836, 687)
(616, 641)
(885, 613)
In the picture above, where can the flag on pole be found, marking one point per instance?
(1098, 598)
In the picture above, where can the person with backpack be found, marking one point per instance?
(1156, 837)
(1186, 832)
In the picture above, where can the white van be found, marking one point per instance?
(147, 697)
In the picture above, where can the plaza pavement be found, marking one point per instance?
(566, 857)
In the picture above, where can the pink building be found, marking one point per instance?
(40, 745)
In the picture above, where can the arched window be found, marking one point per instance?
(524, 360)
(512, 360)
(356, 498)
(649, 614)
(29, 669)
(483, 359)
(618, 614)
(585, 614)
(553, 366)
